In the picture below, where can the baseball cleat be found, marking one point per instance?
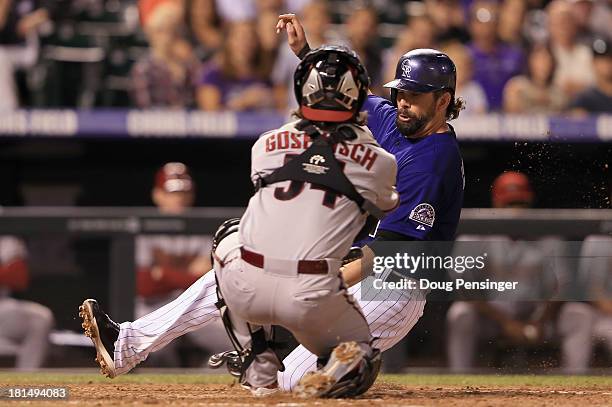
(345, 358)
(103, 332)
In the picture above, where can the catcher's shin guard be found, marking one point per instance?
(231, 358)
(238, 361)
(348, 373)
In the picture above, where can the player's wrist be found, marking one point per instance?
(303, 51)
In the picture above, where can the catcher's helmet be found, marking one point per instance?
(422, 71)
(330, 84)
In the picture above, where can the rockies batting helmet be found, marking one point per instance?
(330, 84)
(422, 71)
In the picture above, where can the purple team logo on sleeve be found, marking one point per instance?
(423, 213)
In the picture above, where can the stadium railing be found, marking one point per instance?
(117, 123)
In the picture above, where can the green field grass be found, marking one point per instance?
(602, 382)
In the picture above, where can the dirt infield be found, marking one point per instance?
(384, 394)
(400, 390)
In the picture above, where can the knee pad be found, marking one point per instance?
(225, 250)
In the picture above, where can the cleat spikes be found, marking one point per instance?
(92, 326)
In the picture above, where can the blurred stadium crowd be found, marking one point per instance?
(515, 56)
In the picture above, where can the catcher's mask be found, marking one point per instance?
(331, 84)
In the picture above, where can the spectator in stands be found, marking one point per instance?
(598, 98)
(467, 87)
(24, 325)
(592, 18)
(582, 10)
(282, 6)
(419, 32)
(449, 20)
(515, 317)
(241, 10)
(268, 39)
(535, 91)
(534, 23)
(494, 61)
(167, 265)
(236, 10)
(205, 25)
(248, 10)
(237, 79)
(511, 17)
(147, 7)
(583, 324)
(165, 76)
(574, 71)
(267, 16)
(362, 36)
(315, 19)
(19, 21)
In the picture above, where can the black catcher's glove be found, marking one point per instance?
(354, 254)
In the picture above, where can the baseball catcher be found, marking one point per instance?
(317, 180)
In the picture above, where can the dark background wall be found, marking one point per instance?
(120, 172)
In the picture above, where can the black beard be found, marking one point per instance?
(416, 123)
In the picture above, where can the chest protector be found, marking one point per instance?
(318, 165)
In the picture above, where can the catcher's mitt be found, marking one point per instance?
(354, 254)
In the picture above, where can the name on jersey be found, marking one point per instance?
(286, 140)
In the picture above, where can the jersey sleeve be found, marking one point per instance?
(260, 163)
(420, 199)
(387, 196)
(381, 116)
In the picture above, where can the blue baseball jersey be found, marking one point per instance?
(430, 178)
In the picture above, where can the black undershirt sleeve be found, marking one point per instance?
(387, 235)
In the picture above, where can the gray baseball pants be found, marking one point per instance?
(316, 308)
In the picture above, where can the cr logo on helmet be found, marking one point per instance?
(406, 68)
